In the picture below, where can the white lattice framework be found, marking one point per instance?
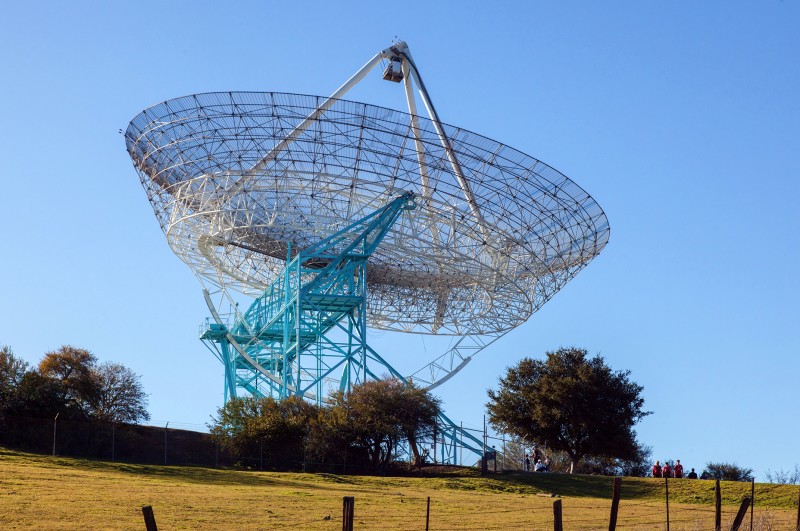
(236, 178)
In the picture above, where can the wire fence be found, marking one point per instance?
(538, 513)
(442, 512)
(636, 508)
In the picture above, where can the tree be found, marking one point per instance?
(570, 403)
(727, 472)
(75, 369)
(118, 394)
(382, 412)
(12, 370)
(784, 477)
(331, 434)
(25, 392)
(246, 426)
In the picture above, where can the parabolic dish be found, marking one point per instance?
(481, 252)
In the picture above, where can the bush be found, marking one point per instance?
(727, 472)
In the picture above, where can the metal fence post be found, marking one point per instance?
(55, 421)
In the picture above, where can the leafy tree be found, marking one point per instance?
(41, 397)
(382, 412)
(12, 370)
(331, 434)
(118, 394)
(25, 392)
(244, 424)
(74, 368)
(727, 472)
(572, 403)
(637, 465)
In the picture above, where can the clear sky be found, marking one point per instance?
(682, 119)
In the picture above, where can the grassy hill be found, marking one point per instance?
(40, 492)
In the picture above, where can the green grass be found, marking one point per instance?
(39, 492)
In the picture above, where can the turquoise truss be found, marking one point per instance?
(309, 326)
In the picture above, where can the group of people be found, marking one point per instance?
(540, 463)
(667, 471)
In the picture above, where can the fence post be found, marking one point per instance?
(737, 522)
(348, 505)
(718, 508)
(666, 488)
(165, 442)
(113, 442)
(149, 518)
(55, 421)
(557, 516)
(752, 499)
(428, 514)
(261, 454)
(612, 524)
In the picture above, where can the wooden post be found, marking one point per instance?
(737, 522)
(149, 518)
(347, 513)
(666, 488)
(612, 524)
(428, 514)
(718, 507)
(557, 526)
(752, 500)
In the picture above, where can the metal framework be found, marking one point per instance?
(267, 195)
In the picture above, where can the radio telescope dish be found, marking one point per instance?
(243, 183)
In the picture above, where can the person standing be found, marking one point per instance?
(537, 454)
(691, 475)
(666, 470)
(527, 463)
(657, 470)
(678, 469)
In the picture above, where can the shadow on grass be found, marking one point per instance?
(455, 478)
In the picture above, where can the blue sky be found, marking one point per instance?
(681, 119)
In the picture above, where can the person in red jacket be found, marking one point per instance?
(656, 470)
(678, 470)
(666, 470)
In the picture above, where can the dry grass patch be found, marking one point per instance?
(39, 492)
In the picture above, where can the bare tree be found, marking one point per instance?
(119, 395)
(786, 477)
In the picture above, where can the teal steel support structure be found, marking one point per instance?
(310, 324)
